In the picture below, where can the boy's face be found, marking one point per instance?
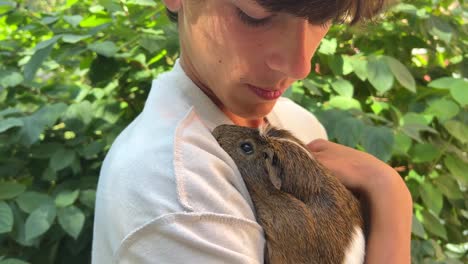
(225, 56)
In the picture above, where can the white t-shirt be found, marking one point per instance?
(168, 193)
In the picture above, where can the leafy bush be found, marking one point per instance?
(74, 73)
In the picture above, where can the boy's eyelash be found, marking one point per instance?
(250, 20)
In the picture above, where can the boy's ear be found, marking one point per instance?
(173, 5)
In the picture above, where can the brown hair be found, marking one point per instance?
(321, 11)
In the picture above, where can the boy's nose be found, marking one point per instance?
(295, 48)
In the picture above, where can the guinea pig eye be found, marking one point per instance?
(247, 148)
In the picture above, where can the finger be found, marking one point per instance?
(318, 145)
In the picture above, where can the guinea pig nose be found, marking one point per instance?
(247, 148)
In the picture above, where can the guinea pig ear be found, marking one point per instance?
(272, 167)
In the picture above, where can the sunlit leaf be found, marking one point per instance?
(343, 87)
(328, 46)
(344, 103)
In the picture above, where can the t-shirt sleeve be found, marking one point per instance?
(193, 238)
(298, 120)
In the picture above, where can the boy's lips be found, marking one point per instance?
(266, 93)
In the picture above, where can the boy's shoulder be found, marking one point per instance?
(289, 115)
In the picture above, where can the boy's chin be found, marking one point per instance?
(256, 112)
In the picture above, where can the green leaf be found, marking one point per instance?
(47, 43)
(6, 218)
(94, 21)
(443, 109)
(13, 261)
(402, 144)
(458, 168)
(62, 159)
(359, 64)
(82, 111)
(343, 87)
(445, 83)
(424, 153)
(402, 74)
(106, 48)
(71, 219)
(39, 221)
(449, 187)
(66, 198)
(71, 38)
(328, 46)
(88, 198)
(378, 141)
(431, 197)
(35, 124)
(417, 228)
(8, 123)
(336, 64)
(142, 2)
(10, 190)
(344, 103)
(348, 131)
(35, 62)
(440, 29)
(459, 92)
(10, 79)
(9, 111)
(379, 74)
(92, 149)
(432, 224)
(6, 5)
(151, 42)
(30, 201)
(458, 130)
(73, 20)
(49, 20)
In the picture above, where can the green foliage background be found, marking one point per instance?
(74, 73)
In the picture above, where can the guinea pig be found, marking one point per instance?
(307, 214)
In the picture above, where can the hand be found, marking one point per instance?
(357, 170)
(388, 198)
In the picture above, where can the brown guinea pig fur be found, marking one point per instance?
(307, 215)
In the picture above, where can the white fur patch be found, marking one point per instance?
(356, 250)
